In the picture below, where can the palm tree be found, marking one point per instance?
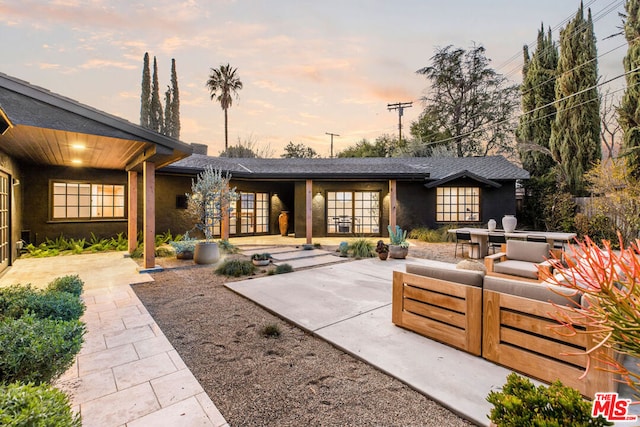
(222, 83)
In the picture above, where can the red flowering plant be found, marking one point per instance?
(610, 284)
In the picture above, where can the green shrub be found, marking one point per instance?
(37, 350)
(71, 284)
(17, 300)
(35, 405)
(163, 252)
(430, 235)
(271, 330)
(283, 268)
(520, 403)
(236, 268)
(227, 247)
(362, 248)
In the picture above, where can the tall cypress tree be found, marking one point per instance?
(538, 94)
(167, 128)
(145, 97)
(156, 122)
(175, 102)
(575, 132)
(629, 113)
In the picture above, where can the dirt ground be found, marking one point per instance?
(291, 380)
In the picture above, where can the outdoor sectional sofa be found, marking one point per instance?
(506, 321)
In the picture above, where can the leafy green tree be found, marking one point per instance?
(223, 82)
(426, 136)
(156, 119)
(617, 196)
(469, 101)
(538, 110)
(299, 151)
(145, 96)
(575, 132)
(239, 151)
(382, 147)
(629, 112)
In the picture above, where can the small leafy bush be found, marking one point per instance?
(71, 284)
(283, 268)
(226, 247)
(17, 300)
(37, 350)
(361, 248)
(35, 405)
(236, 268)
(271, 330)
(521, 403)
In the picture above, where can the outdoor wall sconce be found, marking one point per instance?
(15, 181)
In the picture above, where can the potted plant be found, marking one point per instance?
(399, 247)
(261, 259)
(184, 248)
(209, 199)
(382, 249)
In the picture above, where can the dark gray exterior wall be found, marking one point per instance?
(36, 204)
(319, 212)
(12, 168)
(417, 204)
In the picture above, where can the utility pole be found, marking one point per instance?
(400, 106)
(332, 135)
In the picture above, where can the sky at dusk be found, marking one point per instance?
(308, 67)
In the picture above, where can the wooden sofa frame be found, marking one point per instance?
(519, 333)
(445, 311)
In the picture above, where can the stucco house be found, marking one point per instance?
(67, 168)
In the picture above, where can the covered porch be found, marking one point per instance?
(42, 131)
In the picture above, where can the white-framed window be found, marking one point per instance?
(353, 212)
(87, 201)
(458, 204)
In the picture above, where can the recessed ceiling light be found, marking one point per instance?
(76, 161)
(78, 146)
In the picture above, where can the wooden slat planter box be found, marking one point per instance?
(445, 311)
(520, 333)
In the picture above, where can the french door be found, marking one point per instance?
(5, 234)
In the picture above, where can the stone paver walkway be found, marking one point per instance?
(127, 373)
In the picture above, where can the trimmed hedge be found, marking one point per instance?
(37, 350)
(17, 300)
(71, 284)
(35, 405)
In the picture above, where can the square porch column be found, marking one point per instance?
(393, 203)
(149, 227)
(309, 210)
(132, 217)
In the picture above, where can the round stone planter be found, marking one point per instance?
(260, 262)
(383, 255)
(398, 252)
(206, 253)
